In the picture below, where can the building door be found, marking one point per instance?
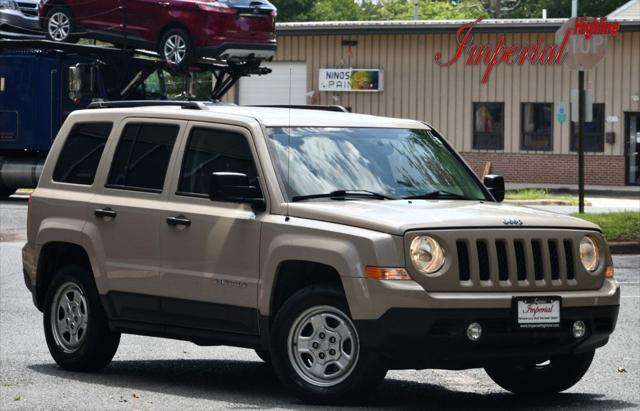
(632, 148)
(287, 84)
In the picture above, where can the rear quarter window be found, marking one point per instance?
(81, 153)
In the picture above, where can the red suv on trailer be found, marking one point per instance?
(178, 29)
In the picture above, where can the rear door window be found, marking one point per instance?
(142, 157)
(81, 153)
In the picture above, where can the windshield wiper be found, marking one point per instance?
(342, 194)
(435, 194)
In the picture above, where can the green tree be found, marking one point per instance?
(533, 8)
(294, 10)
(337, 10)
(429, 10)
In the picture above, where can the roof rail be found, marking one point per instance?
(192, 105)
(320, 107)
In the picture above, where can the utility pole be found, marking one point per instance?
(581, 117)
(416, 9)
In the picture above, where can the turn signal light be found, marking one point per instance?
(383, 273)
(609, 272)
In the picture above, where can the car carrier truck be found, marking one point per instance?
(42, 82)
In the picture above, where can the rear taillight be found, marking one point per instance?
(217, 6)
(29, 201)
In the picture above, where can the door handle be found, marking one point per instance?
(106, 212)
(178, 220)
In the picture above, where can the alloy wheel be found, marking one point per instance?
(59, 26)
(175, 49)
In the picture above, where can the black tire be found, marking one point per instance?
(57, 13)
(559, 374)
(264, 356)
(176, 37)
(365, 373)
(97, 345)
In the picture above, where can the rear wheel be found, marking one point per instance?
(75, 325)
(556, 375)
(176, 48)
(59, 25)
(316, 350)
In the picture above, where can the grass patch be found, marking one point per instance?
(620, 226)
(532, 194)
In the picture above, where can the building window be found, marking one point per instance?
(142, 157)
(593, 131)
(488, 126)
(81, 153)
(537, 126)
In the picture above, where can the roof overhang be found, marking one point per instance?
(431, 26)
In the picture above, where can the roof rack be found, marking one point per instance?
(334, 107)
(190, 105)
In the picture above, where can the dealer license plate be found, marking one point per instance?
(538, 312)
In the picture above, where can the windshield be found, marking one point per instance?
(398, 163)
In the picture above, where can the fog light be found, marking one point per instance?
(474, 331)
(579, 329)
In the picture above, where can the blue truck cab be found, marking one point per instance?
(38, 90)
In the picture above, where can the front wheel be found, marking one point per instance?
(556, 375)
(316, 349)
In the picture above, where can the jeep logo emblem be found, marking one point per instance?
(512, 221)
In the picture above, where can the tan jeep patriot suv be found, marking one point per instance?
(336, 245)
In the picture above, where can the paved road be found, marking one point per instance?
(152, 373)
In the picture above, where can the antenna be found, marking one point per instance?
(287, 218)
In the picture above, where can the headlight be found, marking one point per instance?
(8, 4)
(589, 253)
(426, 254)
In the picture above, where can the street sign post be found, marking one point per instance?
(583, 53)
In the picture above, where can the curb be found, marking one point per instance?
(624, 247)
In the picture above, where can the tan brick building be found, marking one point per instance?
(515, 120)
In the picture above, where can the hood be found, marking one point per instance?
(399, 216)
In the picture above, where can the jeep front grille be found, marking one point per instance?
(543, 260)
(523, 262)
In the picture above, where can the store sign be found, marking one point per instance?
(579, 40)
(350, 80)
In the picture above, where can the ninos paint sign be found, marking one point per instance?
(334, 79)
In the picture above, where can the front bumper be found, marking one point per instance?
(436, 338)
(14, 20)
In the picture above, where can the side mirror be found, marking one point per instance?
(235, 188)
(81, 81)
(495, 184)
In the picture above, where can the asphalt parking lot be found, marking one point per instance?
(151, 373)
